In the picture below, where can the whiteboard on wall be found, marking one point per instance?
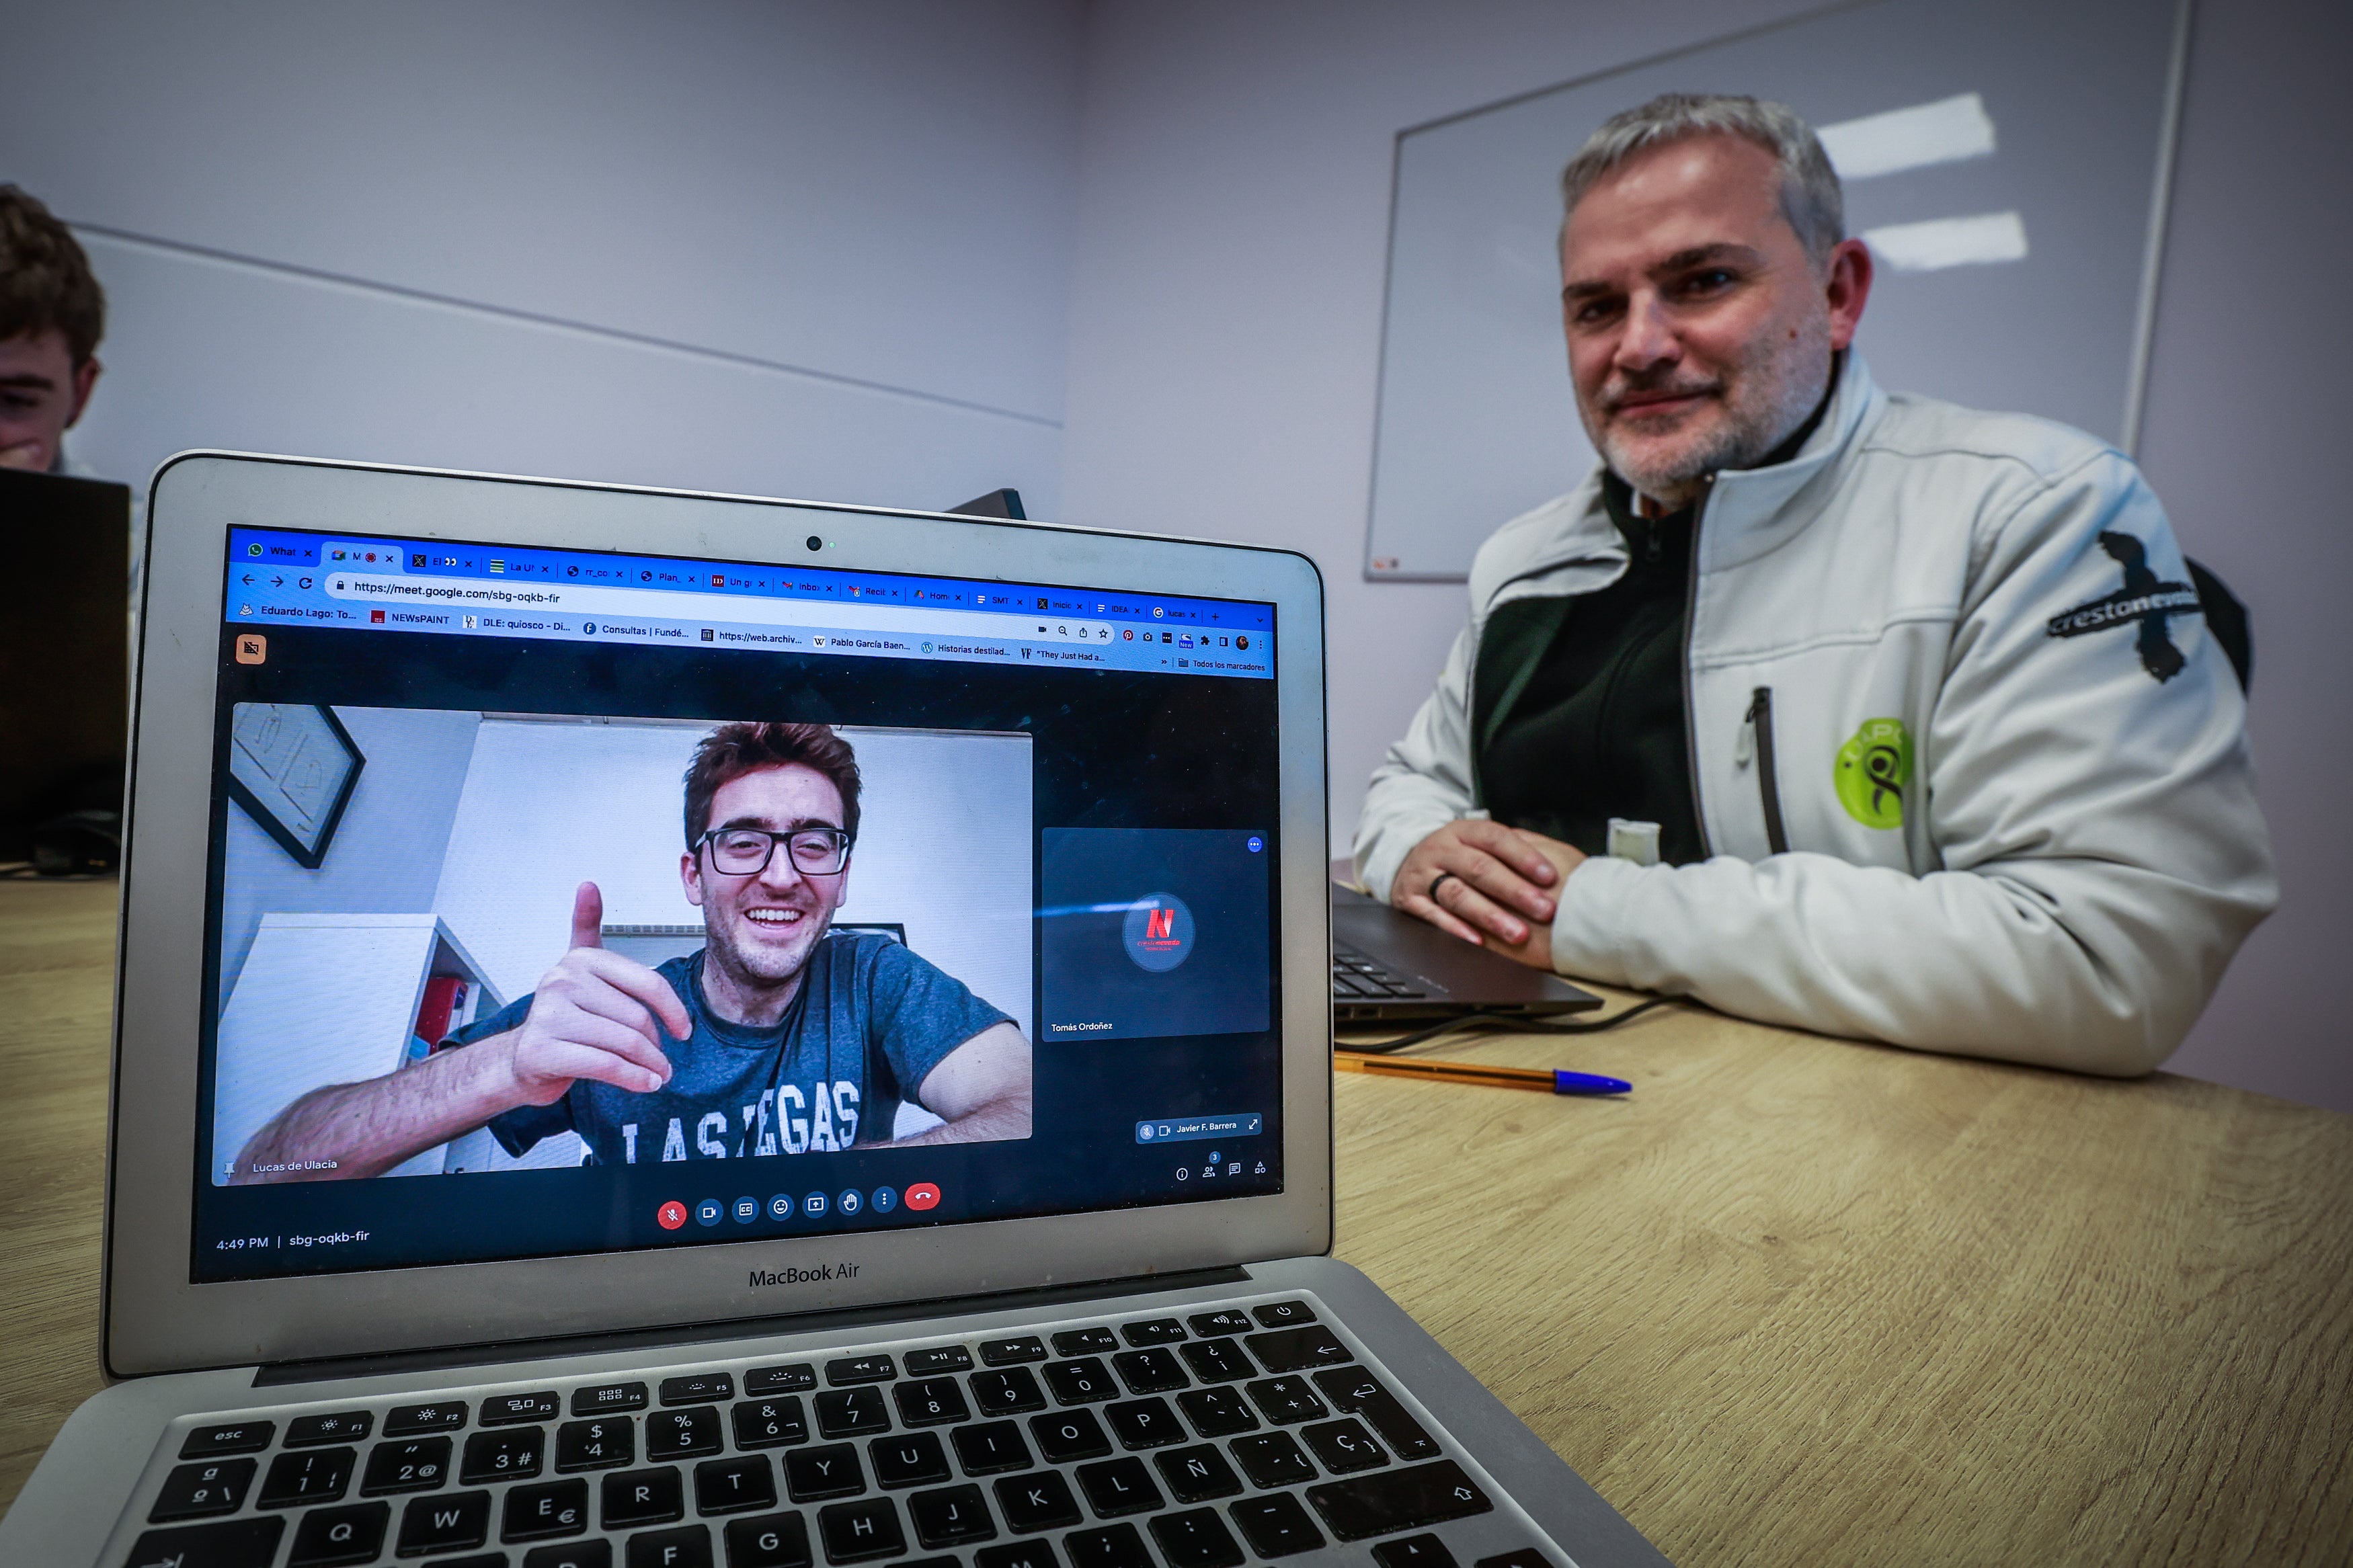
(2007, 160)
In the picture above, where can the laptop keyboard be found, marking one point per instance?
(1357, 978)
(1208, 1439)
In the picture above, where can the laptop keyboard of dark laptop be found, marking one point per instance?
(1357, 978)
(1253, 1432)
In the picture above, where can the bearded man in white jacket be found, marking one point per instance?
(1939, 747)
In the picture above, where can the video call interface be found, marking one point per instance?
(568, 903)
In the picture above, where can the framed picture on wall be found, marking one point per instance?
(292, 768)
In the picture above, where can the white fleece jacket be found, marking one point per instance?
(2010, 762)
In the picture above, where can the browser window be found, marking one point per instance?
(567, 902)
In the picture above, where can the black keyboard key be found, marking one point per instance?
(990, 1447)
(683, 1434)
(1358, 1393)
(608, 1398)
(1007, 1352)
(686, 1547)
(510, 1409)
(1040, 1500)
(1038, 1554)
(411, 1420)
(339, 1426)
(1283, 1400)
(1209, 1325)
(484, 1560)
(1272, 1459)
(1217, 1412)
(598, 1445)
(298, 1480)
(643, 1496)
(1117, 1487)
(571, 1554)
(1415, 1551)
(420, 1464)
(1146, 1424)
(1343, 1446)
(855, 1531)
(1113, 1546)
(832, 1470)
(1408, 1498)
(797, 1378)
(1196, 1538)
(1295, 1350)
(1198, 1473)
(1080, 1382)
(1218, 1361)
(205, 1488)
(734, 1486)
(1158, 1331)
(1525, 1557)
(946, 1358)
(229, 1438)
(953, 1516)
(1085, 1342)
(912, 1459)
(1151, 1370)
(853, 1413)
(1283, 1314)
(698, 1388)
(857, 1369)
(233, 1543)
(458, 1522)
(1276, 1526)
(501, 1457)
(1003, 1392)
(1073, 1435)
(329, 1536)
(773, 1541)
(769, 1423)
(930, 1401)
(550, 1508)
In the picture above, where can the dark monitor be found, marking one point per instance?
(64, 668)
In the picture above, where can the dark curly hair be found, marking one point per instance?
(45, 279)
(731, 751)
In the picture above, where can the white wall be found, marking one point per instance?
(815, 249)
(944, 845)
(1232, 220)
(386, 857)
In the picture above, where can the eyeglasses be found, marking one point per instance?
(746, 851)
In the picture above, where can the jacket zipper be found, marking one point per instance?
(1768, 783)
(1691, 734)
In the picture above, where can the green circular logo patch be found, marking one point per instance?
(1874, 768)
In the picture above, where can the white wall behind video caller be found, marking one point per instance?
(490, 822)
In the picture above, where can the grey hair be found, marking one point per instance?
(1810, 196)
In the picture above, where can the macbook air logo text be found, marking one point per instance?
(823, 1272)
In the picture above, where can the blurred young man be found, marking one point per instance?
(52, 315)
(1915, 702)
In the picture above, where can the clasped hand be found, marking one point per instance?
(1494, 886)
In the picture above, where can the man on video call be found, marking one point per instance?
(1910, 712)
(776, 1038)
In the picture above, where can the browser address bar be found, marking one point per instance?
(663, 604)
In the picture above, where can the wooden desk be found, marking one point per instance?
(1793, 1300)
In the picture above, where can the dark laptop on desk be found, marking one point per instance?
(781, 1328)
(1389, 967)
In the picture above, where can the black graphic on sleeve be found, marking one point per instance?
(2145, 598)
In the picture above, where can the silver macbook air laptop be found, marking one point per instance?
(659, 1029)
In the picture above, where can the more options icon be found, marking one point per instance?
(671, 1215)
(885, 1199)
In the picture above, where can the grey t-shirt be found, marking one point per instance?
(869, 1024)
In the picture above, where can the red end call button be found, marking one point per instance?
(672, 1215)
(922, 1196)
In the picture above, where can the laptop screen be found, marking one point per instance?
(572, 902)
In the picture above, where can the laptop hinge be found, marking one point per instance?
(275, 1374)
